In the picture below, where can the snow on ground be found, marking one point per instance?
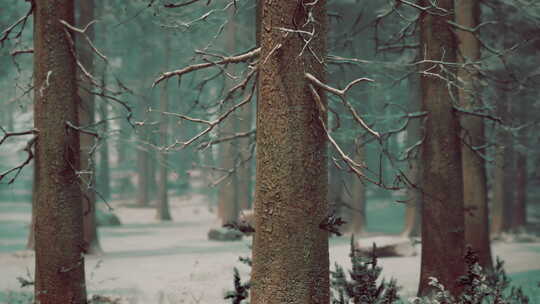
(145, 261)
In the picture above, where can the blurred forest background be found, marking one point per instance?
(159, 148)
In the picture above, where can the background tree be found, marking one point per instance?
(443, 230)
(86, 120)
(472, 135)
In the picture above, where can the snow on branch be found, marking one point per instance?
(224, 60)
(341, 94)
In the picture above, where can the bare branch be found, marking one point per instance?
(83, 32)
(18, 169)
(22, 20)
(19, 52)
(226, 60)
(10, 134)
(341, 94)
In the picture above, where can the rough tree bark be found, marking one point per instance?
(472, 136)
(290, 250)
(443, 234)
(59, 268)
(86, 118)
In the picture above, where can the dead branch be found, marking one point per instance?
(341, 94)
(22, 20)
(20, 52)
(226, 60)
(10, 134)
(83, 33)
(206, 144)
(18, 169)
(211, 124)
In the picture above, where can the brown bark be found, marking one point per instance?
(290, 251)
(59, 242)
(163, 212)
(86, 118)
(472, 134)
(443, 221)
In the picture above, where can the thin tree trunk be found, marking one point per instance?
(228, 204)
(413, 211)
(244, 150)
(104, 181)
(519, 209)
(290, 250)
(357, 221)
(163, 212)
(86, 118)
(502, 174)
(443, 231)
(30, 244)
(143, 163)
(472, 134)
(59, 241)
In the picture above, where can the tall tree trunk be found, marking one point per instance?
(472, 134)
(143, 163)
(59, 242)
(244, 172)
(228, 205)
(357, 203)
(30, 244)
(502, 173)
(443, 233)
(163, 212)
(104, 181)
(86, 118)
(290, 250)
(413, 210)
(519, 208)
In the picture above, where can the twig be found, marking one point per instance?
(226, 60)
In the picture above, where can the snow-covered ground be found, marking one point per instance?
(145, 261)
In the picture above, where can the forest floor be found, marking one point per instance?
(146, 261)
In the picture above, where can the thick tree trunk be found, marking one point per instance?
(86, 118)
(443, 231)
(163, 212)
(59, 238)
(290, 250)
(472, 135)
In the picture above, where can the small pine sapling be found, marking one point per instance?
(240, 292)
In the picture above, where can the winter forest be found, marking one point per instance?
(270, 151)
